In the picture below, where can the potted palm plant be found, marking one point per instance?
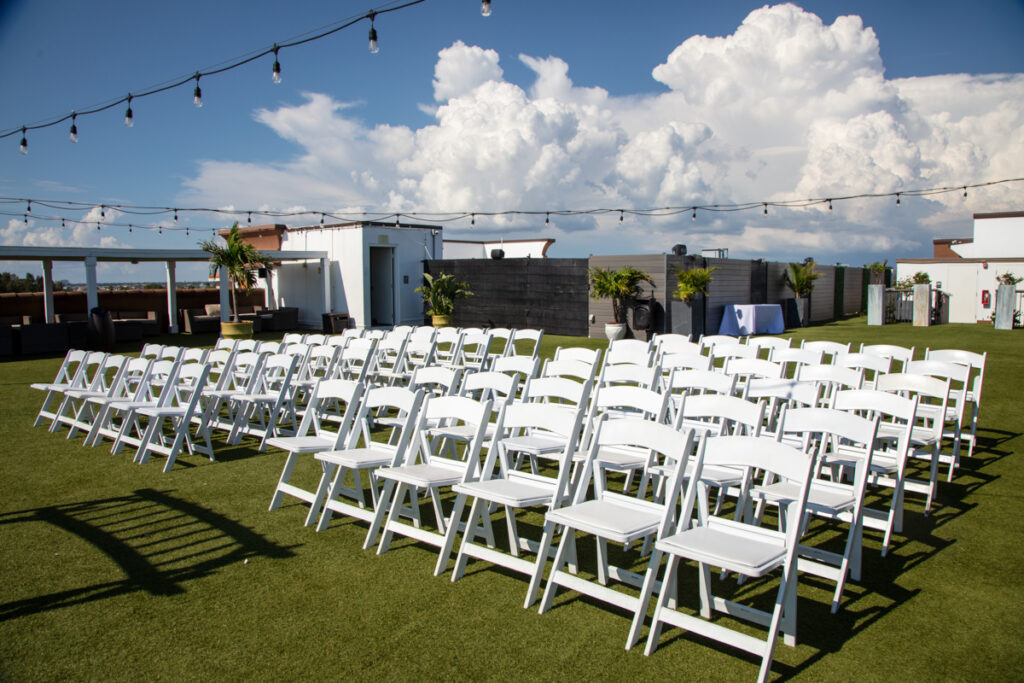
(619, 286)
(692, 290)
(800, 278)
(241, 260)
(440, 293)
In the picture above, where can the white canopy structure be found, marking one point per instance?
(90, 256)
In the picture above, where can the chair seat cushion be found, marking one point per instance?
(821, 499)
(358, 457)
(511, 492)
(535, 444)
(728, 547)
(301, 444)
(423, 475)
(607, 519)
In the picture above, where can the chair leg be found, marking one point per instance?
(568, 536)
(667, 581)
(450, 533)
(479, 507)
(378, 517)
(646, 590)
(538, 570)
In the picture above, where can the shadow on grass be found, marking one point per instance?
(158, 540)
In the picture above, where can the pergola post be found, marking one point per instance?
(48, 311)
(225, 296)
(326, 273)
(92, 299)
(172, 299)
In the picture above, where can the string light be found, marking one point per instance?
(396, 219)
(129, 118)
(472, 219)
(321, 220)
(30, 206)
(227, 65)
(485, 8)
(765, 209)
(374, 45)
(547, 219)
(277, 66)
(62, 225)
(26, 219)
(197, 94)
(23, 147)
(129, 227)
(965, 192)
(829, 204)
(898, 198)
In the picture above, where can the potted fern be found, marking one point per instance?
(440, 294)
(241, 260)
(800, 278)
(620, 286)
(691, 290)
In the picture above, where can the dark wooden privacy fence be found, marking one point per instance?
(548, 294)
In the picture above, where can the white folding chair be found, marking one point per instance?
(119, 420)
(501, 484)
(449, 344)
(839, 441)
(872, 366)
(525, 342)
(501, 342)
(76, 370)
(972, 396)
(632, 351)
(896, 415)
(896, 354)
(830, 350)
(959, 380)
(674, 343)
(425, 469)
(737, 546)
(682, 382)
(333, 402)
(792, 359)
(387, 364)
(831, 378)
(177, 414)
(368, 457)
(260, 409)
(772, 344)
(106, 377)
(932, 394)
(357, 359)
(616, 518)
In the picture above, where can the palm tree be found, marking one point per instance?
(800, 278)
(239, 258)
(617, 285)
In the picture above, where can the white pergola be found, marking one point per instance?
(90, 256)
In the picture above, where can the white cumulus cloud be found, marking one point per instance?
(786, 107)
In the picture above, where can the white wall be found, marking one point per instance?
(348, 248)
(515, 249)
(964, 282)
(994, 238)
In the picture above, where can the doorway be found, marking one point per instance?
(382, 286)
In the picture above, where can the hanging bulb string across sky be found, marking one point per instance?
(228, 65)
(440, 216)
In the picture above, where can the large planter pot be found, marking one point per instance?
(798, 312)
(688, 316)
(614, 331)
(441, 320)
(1006, 296)
(236, 330)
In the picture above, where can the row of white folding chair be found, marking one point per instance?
(105, 377)
(77, 370)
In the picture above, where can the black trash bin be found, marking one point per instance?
(101, 330)
(335, 323)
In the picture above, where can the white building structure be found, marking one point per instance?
(373, 270)
(456, 249)
(967, 268)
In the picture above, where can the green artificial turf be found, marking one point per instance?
(115, 571)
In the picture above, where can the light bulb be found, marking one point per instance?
(374, 46)
(74, 128)
(277, 67)
(197, 94)
(693, 216)
(547, 219)
(175, 215)
(23, 147)
(129, 118)
(830, 205)
(765, 209)
(485, 8)
(472, 220)
(897, 199)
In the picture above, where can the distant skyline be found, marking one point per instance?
(539, 107)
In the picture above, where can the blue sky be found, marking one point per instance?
(541, 106)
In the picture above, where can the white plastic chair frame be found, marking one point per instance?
(738, 547)
(614, 517)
